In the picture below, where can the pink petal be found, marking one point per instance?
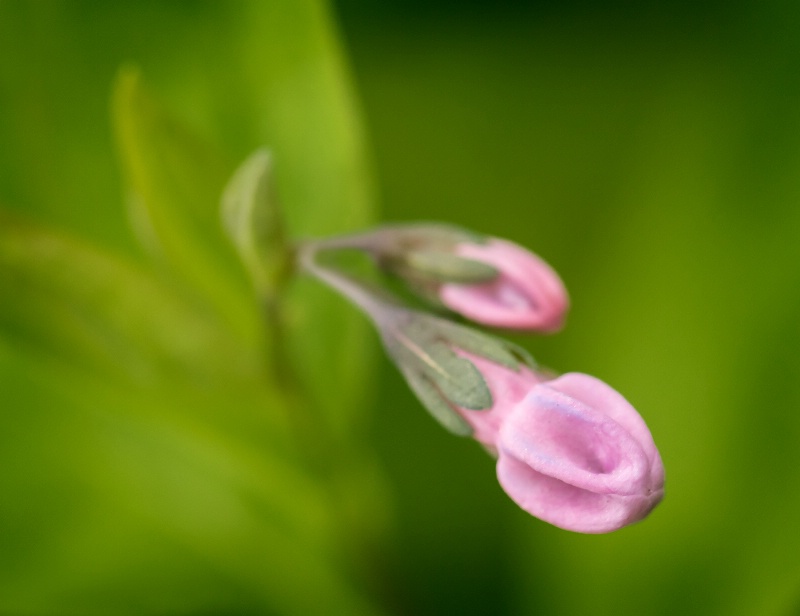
(568, 506)
(527, 294)
(575, 453)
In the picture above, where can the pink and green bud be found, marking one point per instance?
(526, 294)
(487, 280)
(576, 454)
(571, 450)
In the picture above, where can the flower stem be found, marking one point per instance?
(375, 302)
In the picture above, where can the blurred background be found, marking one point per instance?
(651, 154)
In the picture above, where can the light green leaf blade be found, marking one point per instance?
(309, 118)
(84, 305)
(145, 483)
(174, 183)
(253, 221)
(189, 562)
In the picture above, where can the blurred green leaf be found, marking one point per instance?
(308, 117)
(154, 499)
(152, 464)
(77, 302)
(174, 184)
(252, 217)
(157, 453)
(291, 73)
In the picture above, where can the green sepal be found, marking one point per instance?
(447, 267)
(423, 256)
(440, 378)
(432, 236)
(251, 216)
(476, 342)
(436, 404)
(522, 355)
(424, 349)
(457, 378)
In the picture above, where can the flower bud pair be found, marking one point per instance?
(570, 450)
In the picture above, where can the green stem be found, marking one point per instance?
(376, 303)
(312, 442)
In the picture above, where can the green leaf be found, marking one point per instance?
(309, 118)
(143, 484)
(252, 217)
(82, 304)
(174, 183)
(149, 462)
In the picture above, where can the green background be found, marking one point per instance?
(650, 154)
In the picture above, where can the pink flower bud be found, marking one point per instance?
(527, 294)
(576, 454)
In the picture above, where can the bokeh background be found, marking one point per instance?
(651, 153)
